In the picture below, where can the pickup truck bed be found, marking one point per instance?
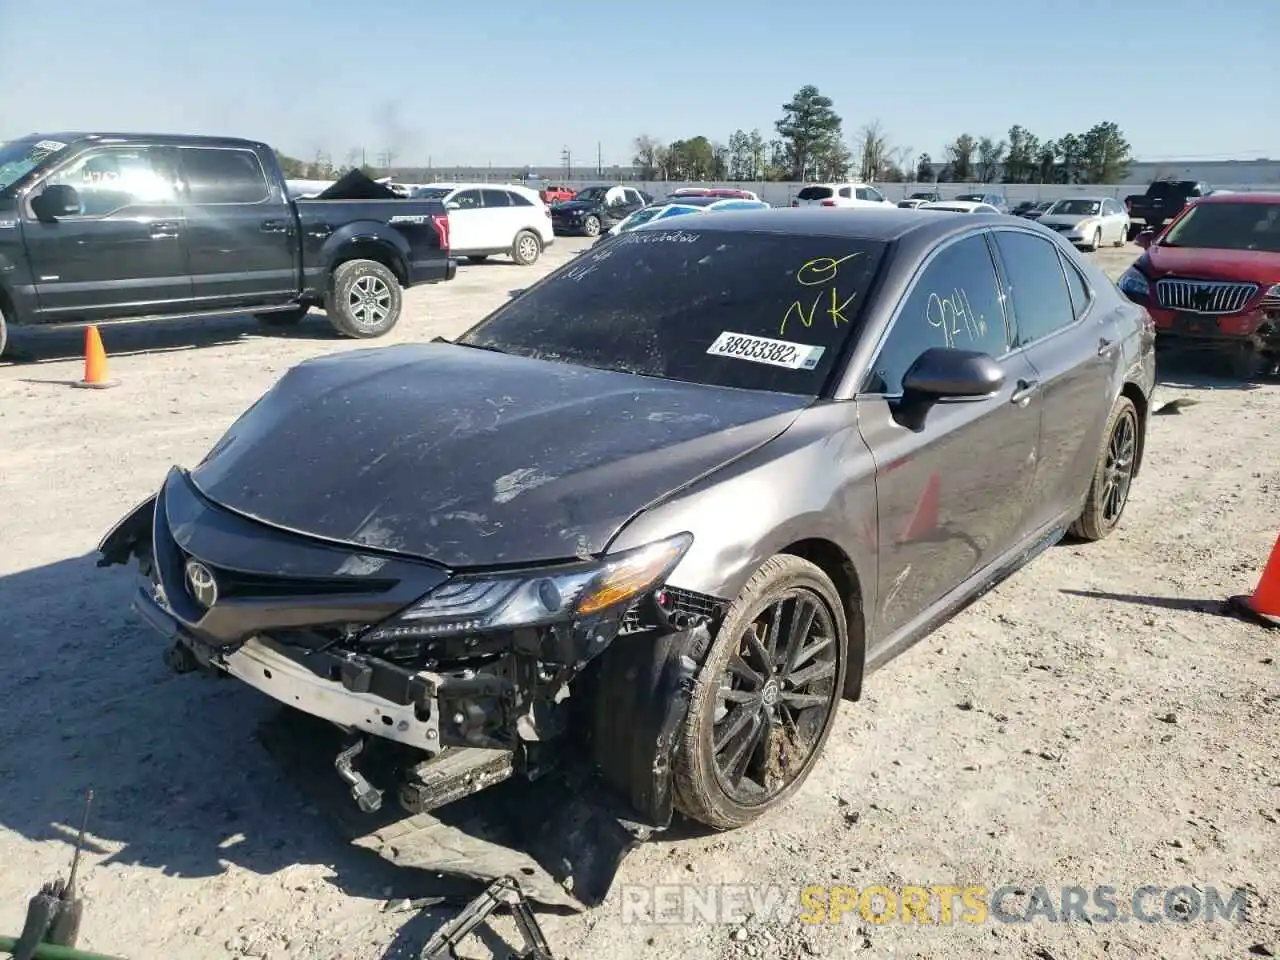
(97, 227)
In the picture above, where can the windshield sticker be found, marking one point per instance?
(777, 353)
(49, 146)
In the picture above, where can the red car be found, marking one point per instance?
(1212, 278)
(556, 194)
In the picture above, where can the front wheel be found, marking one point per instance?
(525, 248)
(1112, 475)
(765, 698)
(364, 299)
(1097, 240)
(591, 226)
(1122, 237)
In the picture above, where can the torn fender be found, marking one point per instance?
(641, 698)
(121, 541)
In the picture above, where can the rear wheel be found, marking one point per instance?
(591, 226)
(1112, 476)
(525, 248)
(765, 698)
(283, 318)
(364, 299)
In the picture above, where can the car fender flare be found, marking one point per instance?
(367, 240)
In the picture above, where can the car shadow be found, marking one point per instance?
(37, 344)
(1186, 367)
(1185, 604)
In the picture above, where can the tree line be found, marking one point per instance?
(808, 143)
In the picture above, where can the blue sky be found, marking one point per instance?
(514, 83)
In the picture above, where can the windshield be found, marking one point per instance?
(1076, 208)
(642, 216)
(591, 193)
(20, 157)
(1228, 226)
(758, 311)
(432, 193)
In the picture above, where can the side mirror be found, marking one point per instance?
(944, 374)
(453, 205)
(1145, 238)
(56, 200)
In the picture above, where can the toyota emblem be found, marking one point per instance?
(202, 584)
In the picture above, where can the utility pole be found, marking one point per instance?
(599, 161)
(566, 157)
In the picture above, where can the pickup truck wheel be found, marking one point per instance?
(525, 248)
(283, 318)
(1112, 475)
(765, 697)
(364, 299)
(591, 226)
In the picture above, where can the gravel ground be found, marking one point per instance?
(1093, 721)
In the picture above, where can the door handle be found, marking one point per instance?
(164, 230)
(1106, 348)
(274, 226)
(1022, 393)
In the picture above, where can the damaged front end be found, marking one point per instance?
(470, 679)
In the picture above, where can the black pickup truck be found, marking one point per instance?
(98, 226)
(1163, 201)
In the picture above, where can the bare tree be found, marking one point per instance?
(872, 150)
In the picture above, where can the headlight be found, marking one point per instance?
(1134, 284)
(1084, 225)
(1273, 293)
(527, 598)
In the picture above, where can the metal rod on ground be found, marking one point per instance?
(51, 951)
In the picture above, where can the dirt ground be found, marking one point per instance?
(1094, 721)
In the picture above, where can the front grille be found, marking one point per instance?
(1204, 296)
(234, 583)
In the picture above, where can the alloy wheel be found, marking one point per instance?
(1118, 473)
(370, 301)
(776, 698)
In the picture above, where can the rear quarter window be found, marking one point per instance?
(814, 193)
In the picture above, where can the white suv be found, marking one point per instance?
(840, 195)
(493, 218)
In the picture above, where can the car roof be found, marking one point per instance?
(1091, 199)
(872, 223)
(1261, 196)
(171, 139)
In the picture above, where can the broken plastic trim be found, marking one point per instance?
(505, 891)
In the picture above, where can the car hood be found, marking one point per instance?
(473, 458)
(1204, 263)
(1067, 219)
(574, 206)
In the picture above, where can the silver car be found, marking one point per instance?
(1089, 222)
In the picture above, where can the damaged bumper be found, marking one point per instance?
(465, 711)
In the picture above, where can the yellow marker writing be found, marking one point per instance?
(821, 270)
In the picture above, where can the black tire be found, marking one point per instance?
(283, 318)
(591, 226)
(4, 332)
(1097, 240)
(1112, 475)
(1244, 362)
(477, 257)
(526, 248)
(702, 792)
(364, 299)
(1123, 238)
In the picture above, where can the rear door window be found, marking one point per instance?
(216, 175)
(495, 198)
(1042, 302)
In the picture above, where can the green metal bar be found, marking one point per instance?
(51, 951)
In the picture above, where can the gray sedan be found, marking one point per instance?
(666, 509)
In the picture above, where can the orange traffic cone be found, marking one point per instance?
(1264, 605)
(96, 374)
